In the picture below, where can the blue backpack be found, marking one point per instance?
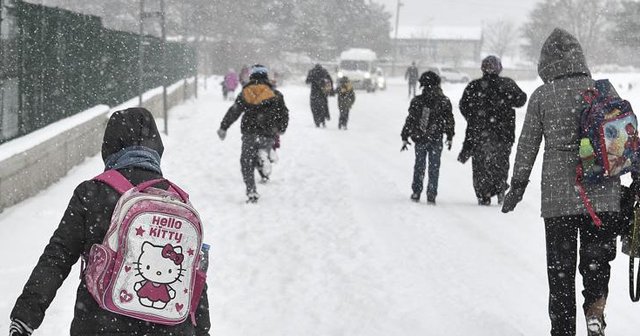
(609, 143)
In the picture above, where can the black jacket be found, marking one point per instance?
(411, 74)
(429, 117)
(488, 106)
(346, 96)
(262, 108)
(319, 77)
(85, 223)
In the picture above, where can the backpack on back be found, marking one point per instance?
(609, 140)
(148, 265)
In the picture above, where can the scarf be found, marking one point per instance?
(134, 156)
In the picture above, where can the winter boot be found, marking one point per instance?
(431, 199)
(595, 326)
(264, 164)
(252, 197)
(415, 197)
(484, 201)
(595, 317)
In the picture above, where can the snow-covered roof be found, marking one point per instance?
(439, 32)
(358, 54)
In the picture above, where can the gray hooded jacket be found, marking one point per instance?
(554, 113)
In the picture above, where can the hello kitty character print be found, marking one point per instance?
(159, 267)
(148, 265)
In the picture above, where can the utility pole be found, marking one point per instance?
(163, 24)
(140, 54)
(163, 67)
(395, 39)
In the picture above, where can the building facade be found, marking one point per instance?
(452, 46)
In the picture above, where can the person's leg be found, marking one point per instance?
(315, 110)
(480, 167)
(435, 152)
(248, 161)
(419, 168)
(265, 145)
(561, 240)
(597, 250)
(346, 117)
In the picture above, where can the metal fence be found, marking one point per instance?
(55, 63)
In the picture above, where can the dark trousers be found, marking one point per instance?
(412, 88)
(432, 150)
(490, 165)
(597, 249)
(319, 108)
(344, 117)
(249, 160)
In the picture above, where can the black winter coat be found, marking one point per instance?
(429, 117)
(488, 106)
(318, 77)
(262, 108)
(346, 96)
(84, 223)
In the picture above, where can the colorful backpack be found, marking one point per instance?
(148, 265)
(609, 140)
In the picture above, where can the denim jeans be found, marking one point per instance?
(432, 150)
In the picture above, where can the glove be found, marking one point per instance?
(448, 144)
(222, 134)
(405, 145)
(514, 196)
(19, 328)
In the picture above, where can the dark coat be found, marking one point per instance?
(262, 108)
(346, 96)
(429, 117)
(411, 74)
(488, 106)
(318, 78)
(84, 223)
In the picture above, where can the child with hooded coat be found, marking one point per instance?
(430, 117)
(131, 145)
(346, 98)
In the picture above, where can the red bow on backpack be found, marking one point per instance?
(169, 253)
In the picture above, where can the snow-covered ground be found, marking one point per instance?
(335, 247)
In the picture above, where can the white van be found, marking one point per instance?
(359, 65)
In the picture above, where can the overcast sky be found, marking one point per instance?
(458, 12)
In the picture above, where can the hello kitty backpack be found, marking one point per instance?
(148, 265)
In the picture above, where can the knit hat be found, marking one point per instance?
(491, 65)
(429, 79)
(259, 71)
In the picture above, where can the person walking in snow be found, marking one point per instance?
(133, 146)
(430, 117)
(245, 72)
(264, 117)
(346, 98)
(553, 113)
(488, 105)
(230, 83)
(321, 87)
(411, 75)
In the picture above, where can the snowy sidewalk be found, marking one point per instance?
(334, 247)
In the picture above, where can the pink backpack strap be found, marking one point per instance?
(115, 180)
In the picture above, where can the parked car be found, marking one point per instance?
(448, 74)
